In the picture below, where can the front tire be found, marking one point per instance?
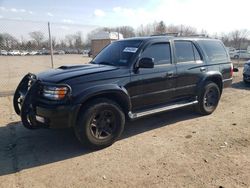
(208, 99)
(99, 124)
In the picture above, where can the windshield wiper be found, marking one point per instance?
(105, 63)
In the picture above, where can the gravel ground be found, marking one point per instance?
(173, 149)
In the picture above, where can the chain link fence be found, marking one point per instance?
(27, 46)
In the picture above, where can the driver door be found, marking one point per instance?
(154, 86)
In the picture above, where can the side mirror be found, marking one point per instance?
(146, 63)
(235, 70)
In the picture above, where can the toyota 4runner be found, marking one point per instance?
(128, 79)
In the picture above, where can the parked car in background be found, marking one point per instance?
(240, 54)
(71, 51)
(246, 72)
(23, 53)
(3, 52)
(14, 52)
(58, 52)
(61, 52)
(33, 52)
(85, 52)
(231, 51)
(90, 53)
(43, 52)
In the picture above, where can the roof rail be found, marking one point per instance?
(199, 35)
(167, 34)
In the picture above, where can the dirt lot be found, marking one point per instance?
(173, 149)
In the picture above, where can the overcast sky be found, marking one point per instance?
(215, 16)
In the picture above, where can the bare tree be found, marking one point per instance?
(9, 42)
(54, 43)
(188, 30)
(38, 37)
(62, 44)
(147, 30)
(140, 31)
(1, 41)
(126, 31)
(225, 39)
(78, 41)
(238, 37)
(173, 29)
(161, 28)
(69, 40)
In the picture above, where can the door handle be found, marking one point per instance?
(203, 69)
(170, 74)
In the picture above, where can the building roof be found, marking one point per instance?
(107, 35)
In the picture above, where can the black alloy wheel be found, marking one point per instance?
(100, 123)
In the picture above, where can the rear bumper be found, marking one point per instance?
(57, 117)
(227, 82)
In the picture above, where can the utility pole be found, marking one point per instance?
(51, 47)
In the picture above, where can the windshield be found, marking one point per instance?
(118, 53)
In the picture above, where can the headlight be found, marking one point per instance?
(55, 92)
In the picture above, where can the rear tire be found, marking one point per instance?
(99, 124)
(208, 99)
(236, 57)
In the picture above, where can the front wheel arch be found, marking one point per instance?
(121, 99)
(82, 130)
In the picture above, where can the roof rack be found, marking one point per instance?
(199, 35)
(179, 35)
(167, 34)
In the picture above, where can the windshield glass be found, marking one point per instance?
(118, 53)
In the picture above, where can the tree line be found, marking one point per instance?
(237, 38)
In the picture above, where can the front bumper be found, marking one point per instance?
(57, 117)
(36, 112)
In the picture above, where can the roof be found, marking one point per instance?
(107, 35)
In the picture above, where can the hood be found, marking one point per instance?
(68, 72)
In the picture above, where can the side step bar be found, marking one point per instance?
(160, 109)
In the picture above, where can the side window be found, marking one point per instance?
(160, 52)
(214, 50)
(196, 54)
(184, 51)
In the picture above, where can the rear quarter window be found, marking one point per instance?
(215, 51)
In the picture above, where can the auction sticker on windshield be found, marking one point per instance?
(130, 49)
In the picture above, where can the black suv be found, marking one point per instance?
(128, 79)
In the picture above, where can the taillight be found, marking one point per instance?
(232, 70)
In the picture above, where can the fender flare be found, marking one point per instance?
(105, 89)
(210, 76)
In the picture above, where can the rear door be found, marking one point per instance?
(190, 68)
(154, 85)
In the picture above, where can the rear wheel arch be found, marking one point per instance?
(217, 79)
